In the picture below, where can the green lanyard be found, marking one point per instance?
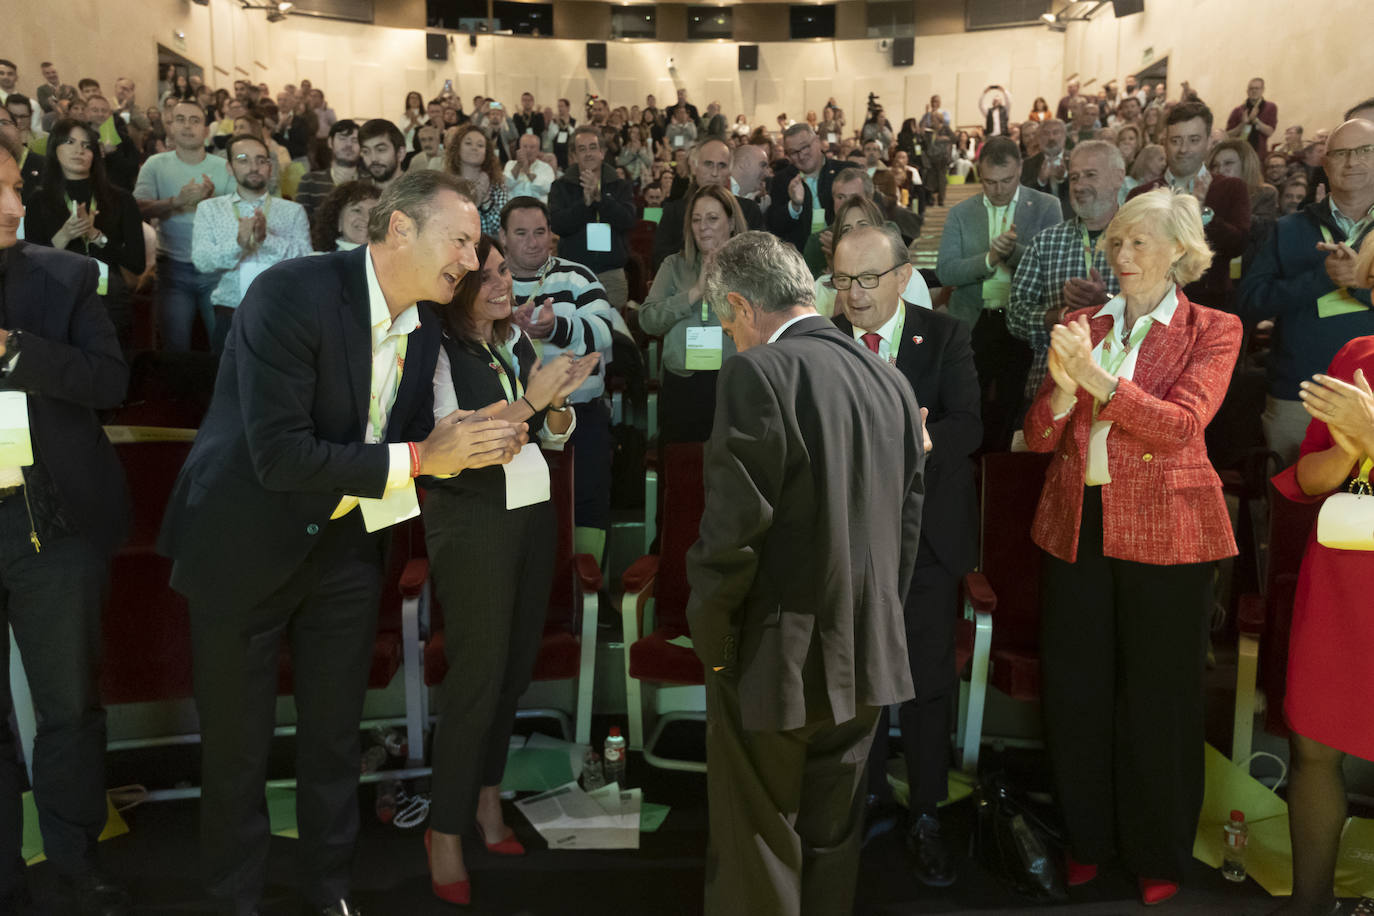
(374, 408)
(1112, 361)
(897, 330)
(503, 373)
(1087, 249)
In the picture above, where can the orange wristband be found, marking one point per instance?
(414, 460)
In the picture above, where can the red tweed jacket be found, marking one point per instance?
(1164, 504)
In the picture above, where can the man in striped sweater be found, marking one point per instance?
(563, 307)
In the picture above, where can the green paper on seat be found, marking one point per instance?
(530, 769)
(651, 816)
(653, 214)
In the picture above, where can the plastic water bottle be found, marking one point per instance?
(614, 757)
(593, 777)
(1233, 856)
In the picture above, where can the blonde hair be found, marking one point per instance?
(1175, 216)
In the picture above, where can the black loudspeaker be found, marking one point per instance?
(596, 55)
(1127, 7)
(903, 52)
(436, 46)
(748, 57)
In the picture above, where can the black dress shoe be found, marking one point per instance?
(927, 845)
(94, 894)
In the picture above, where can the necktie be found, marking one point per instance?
(871, 340)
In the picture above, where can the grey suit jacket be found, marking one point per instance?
(964, 246)
(810, 531)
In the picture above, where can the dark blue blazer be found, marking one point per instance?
(283, 439)
(70, 366)
(941, 372)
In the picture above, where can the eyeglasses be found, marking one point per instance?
(865, 281)
(796, 151)
(1351, 153)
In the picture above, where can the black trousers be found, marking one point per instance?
(1122, 649)
(327, 611)
(52, 599)
(492, 569)
(785, 810)
(592, 446)
(687, 406)
(931, 611)
(1002, 362)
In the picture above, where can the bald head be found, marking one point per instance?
(749, 168)
(711, 162)
(1349, 162)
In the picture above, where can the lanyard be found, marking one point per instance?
(374, 408)
(539, 287)
(504, 373)
(897, 330)
(1112, 361)
(1087, 249)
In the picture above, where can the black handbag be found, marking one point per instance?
(1016, 843)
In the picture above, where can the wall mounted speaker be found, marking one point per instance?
(436, 46)
(748, 57)
(1127, 7)
(903, 52)
(596, 55)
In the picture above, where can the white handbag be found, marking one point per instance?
(1346, 520)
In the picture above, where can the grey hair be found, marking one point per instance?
(849, 173)
(413, 194)
(801, 127)
(1114, 157)
(766, 271)
(900, 253)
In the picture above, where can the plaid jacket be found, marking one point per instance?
(1055, 256)
(1164, 504)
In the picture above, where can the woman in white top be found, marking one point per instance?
(340, 222)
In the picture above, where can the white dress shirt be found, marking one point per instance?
(525, 186)
(215, 241)
(788, 323)
(885, 334)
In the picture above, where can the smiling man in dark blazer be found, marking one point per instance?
(276, 526)
(808, 540)
(800, 193)
(933, 352)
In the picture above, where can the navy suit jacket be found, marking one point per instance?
(941, 372)
(780, 221)
(283, 439)
(70, 367)
(1228, 232)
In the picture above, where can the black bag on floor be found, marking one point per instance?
(1018, 845)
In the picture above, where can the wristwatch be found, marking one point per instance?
(564, 409)
(13, 343)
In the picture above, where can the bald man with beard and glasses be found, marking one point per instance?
(710, 163)
(1304, 278)
(1062, 270)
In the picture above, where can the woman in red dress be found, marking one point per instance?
(1328, 702)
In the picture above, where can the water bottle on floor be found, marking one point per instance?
(614, 757)
(593, 776)
(1233, 855)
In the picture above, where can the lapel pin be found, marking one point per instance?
(918, 339)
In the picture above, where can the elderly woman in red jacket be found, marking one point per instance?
(1131, 520)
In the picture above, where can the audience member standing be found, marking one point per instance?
(380, 147)
(1255, 119)
(710, 166)
(238, 236)
(800, 193)
(527, 175)
(79, 210)
(61, 517)
(808, 540)
(1064, 111)
(984, 239)
(472, 157)
(315, 186)
(558, 135)
(932, 351)
(169, 187)
(1314, 294)
(1048, 169)
(591, 210)
(1125, 605)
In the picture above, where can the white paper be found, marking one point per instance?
(562, 136)
(598, 236)
(569, 818)
(102, 285)
(831, 138)
(527, 478)
(395, 506)
(679, 139)
(16, 449)
(248, 272)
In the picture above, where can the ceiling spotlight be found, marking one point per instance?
(285, 6)
(1049, 17)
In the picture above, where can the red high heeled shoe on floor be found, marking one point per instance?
(509, 846)
(459, 892)
(1076, 873)
(1153, 890)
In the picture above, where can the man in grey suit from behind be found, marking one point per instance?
(983, 241)
(808, 541)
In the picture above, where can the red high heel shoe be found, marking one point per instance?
(509, 846)
(459, 892)
(1153, 890)
(1076, 873)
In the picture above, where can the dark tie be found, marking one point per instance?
(871, 340)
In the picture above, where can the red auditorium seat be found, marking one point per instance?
(568, 649)
(651, 657)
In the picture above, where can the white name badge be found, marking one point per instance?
(831, 138)
(529, 130)
(395, 506)
(102, 285)
(598, 236)
(527, 478)
(562, 136)
(679, 139)
(16, 449)
(704, 348)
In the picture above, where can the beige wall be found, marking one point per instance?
(1314, 63)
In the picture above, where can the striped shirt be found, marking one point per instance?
(1054, 257)
(583, 318)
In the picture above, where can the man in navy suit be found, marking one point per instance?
(932, 351)
(800, 193)
(321, 418)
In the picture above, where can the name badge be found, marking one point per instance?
(562, 136)
(817, 219)
(653, 214)
(395, 506)
(102, 285)
(16, 449)
(1339, 302)
(704, 348)
(678, 140)
(529, 130)
(527, 478)
(831, 138)
(598, 236)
